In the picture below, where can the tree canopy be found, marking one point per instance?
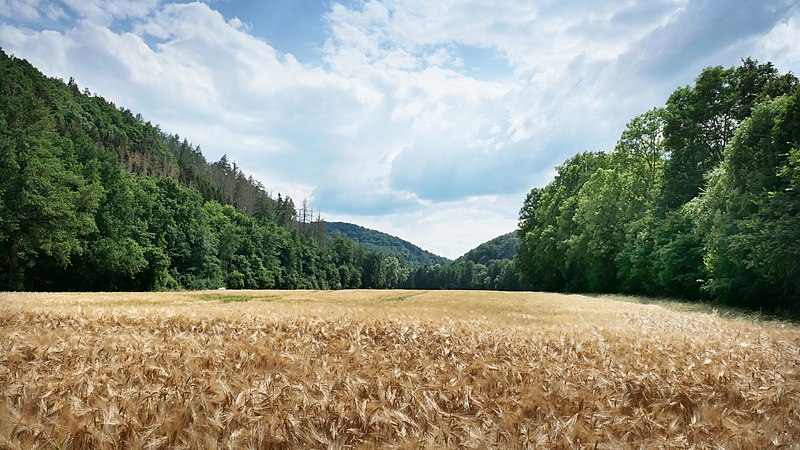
(92, 197)
(698, 200)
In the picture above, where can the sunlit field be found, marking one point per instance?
(389, 369)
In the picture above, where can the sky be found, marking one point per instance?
(429, 120)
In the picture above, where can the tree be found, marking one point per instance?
(551, 254)
(605, 205)
(639, 159)
(115, 251)
(750, 213)
(701, 120)
(47, 203)
(640, 151)
(375, 271)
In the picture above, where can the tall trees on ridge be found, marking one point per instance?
(92, 197)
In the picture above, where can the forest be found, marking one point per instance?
(698, 200)
(93, 197)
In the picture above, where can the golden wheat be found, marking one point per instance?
(388, 369)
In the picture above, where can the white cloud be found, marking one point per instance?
(31, 10)
(781, 43)
(443, 57)
(104, 11)
(448, 229)
(21, 9)
(532, 35)
(55, 13)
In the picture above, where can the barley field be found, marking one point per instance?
(389, 369)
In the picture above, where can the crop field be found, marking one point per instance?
(389, 369)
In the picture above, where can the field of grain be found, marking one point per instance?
(389, 369)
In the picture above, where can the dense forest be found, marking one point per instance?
(699, 199)
(498, 275)
(92, 197)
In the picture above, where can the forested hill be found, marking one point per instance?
(379, 241)
(93, 197)
(700, 199)
(487, 266)
(502, 247)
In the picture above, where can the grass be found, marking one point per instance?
(242, 296)
(389, 369)
(224, 298)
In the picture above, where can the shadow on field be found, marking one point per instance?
(715, 308)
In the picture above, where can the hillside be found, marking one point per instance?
(379, 241)
(501, 247)
(95, 197)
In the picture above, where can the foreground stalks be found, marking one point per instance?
(114, 373)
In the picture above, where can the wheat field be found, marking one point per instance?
(389, 369)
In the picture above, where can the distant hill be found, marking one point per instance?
(385, 243)
(501, 247)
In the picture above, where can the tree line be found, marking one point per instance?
(698, 200)
(489, 266)
(496, 275)
(92, 197)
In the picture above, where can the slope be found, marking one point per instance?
(94, 197)
(501, 247)
(382, 242)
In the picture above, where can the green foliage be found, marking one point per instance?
(552, 254)
(48, 196)
(377, 241)
(501, 247)
(500, 275)
(698, 200)
(488, 266)
(750, 212)
(701, 121)
(95, 198)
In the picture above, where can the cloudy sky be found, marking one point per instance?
(426, 119)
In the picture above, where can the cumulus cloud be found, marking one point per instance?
(105, 11)
(31, 10)
(415, 111)
(780, 44)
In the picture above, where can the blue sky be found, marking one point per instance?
(427, 120)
